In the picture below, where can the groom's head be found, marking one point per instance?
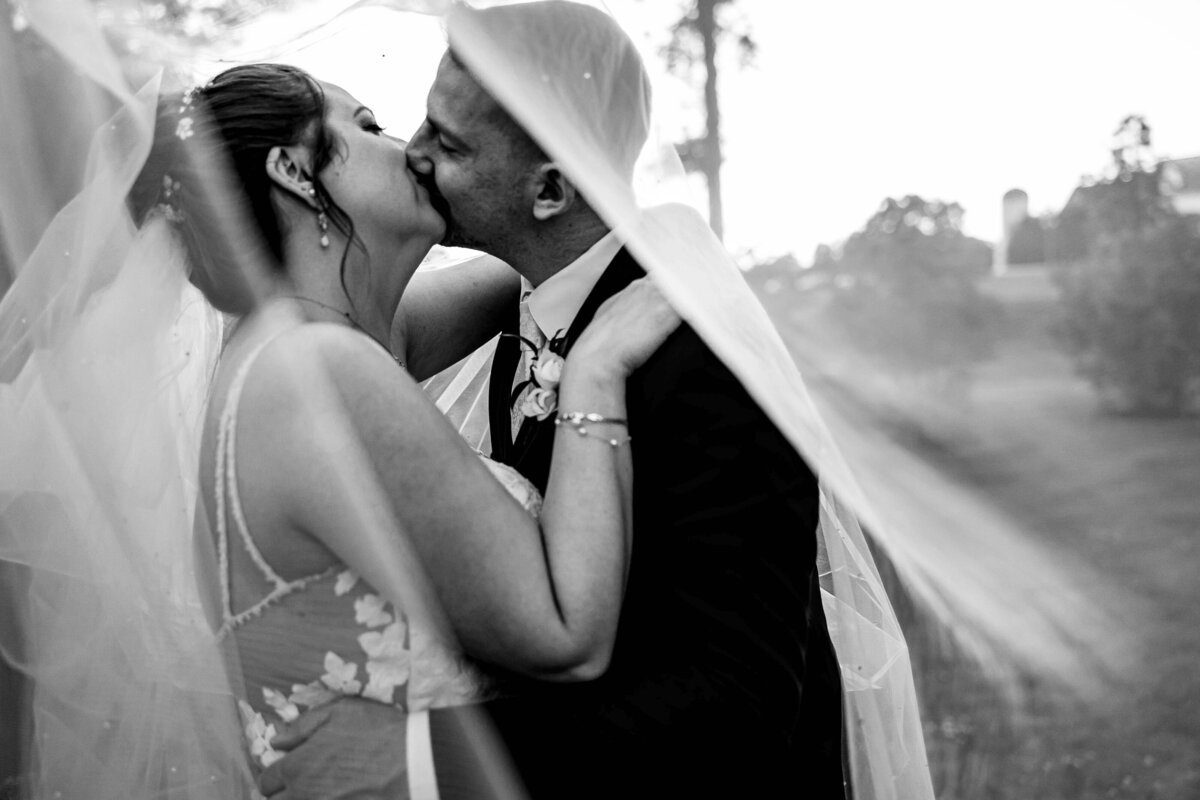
(567, 71)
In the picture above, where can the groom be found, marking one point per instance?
(723, 680)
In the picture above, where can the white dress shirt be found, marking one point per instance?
(554, 303)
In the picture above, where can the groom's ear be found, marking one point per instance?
(554, 194)
(287, 168)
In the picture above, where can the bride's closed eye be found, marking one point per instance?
(366, 120)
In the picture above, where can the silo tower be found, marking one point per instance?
(1015, 210)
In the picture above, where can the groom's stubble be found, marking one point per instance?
(474, 160)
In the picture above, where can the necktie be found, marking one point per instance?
(530, 331)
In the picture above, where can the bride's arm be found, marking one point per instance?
(447, 313)
(373, 471)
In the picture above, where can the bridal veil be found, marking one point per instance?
(105, 352)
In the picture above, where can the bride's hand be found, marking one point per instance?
(626, 330)
(350, 748)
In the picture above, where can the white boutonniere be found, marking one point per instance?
(545, 373)
(539, 403)
(547, 369)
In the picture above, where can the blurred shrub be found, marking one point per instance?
(1132, 316)
(1131, 297)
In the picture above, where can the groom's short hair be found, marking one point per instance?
(575, 56)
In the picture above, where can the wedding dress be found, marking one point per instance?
(310, 640)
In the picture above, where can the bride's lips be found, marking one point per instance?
(419, 189)
(435, 197)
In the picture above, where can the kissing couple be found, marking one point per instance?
(621, 597)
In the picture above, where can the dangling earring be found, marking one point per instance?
(323, 224)
(322, 219)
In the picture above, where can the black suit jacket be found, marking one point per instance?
(723, 680)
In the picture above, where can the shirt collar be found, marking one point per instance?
(555, 302)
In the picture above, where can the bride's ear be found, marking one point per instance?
(553, 193)
(287, 169)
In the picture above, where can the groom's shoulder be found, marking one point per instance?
(685, 362)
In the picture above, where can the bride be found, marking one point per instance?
(326, 472)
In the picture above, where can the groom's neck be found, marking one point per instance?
(551, 248)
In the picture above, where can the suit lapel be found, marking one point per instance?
(531, 451)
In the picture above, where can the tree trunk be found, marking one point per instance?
(15, 717)
(706, 13)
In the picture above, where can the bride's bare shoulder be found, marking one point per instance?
(345, 354)
(314, 369)
(312, 390)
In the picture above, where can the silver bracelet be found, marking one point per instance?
(579, 417)
(582, 430)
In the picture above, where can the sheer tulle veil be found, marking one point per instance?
(106, 352)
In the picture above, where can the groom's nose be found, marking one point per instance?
(418, 151)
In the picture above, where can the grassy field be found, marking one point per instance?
(1124, 494)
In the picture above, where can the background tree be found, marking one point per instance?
(1131, 306)
(1127, 196)
(194, 21)
(905, 292)
(695, 38)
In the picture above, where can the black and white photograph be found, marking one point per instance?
(555, 399)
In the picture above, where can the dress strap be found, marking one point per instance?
(229, 504)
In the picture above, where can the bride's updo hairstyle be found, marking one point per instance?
(206, 173)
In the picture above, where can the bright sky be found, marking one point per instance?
(856, 100)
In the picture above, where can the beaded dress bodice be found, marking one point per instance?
(311, 640)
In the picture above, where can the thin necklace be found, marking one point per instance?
(353, 323)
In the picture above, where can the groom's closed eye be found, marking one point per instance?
(446, 141)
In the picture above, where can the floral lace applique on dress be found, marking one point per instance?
(329, 635)
(390, 662)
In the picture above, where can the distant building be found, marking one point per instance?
(1181, 177)
(1075, 227)
(1095, 206)
(1022, 239)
